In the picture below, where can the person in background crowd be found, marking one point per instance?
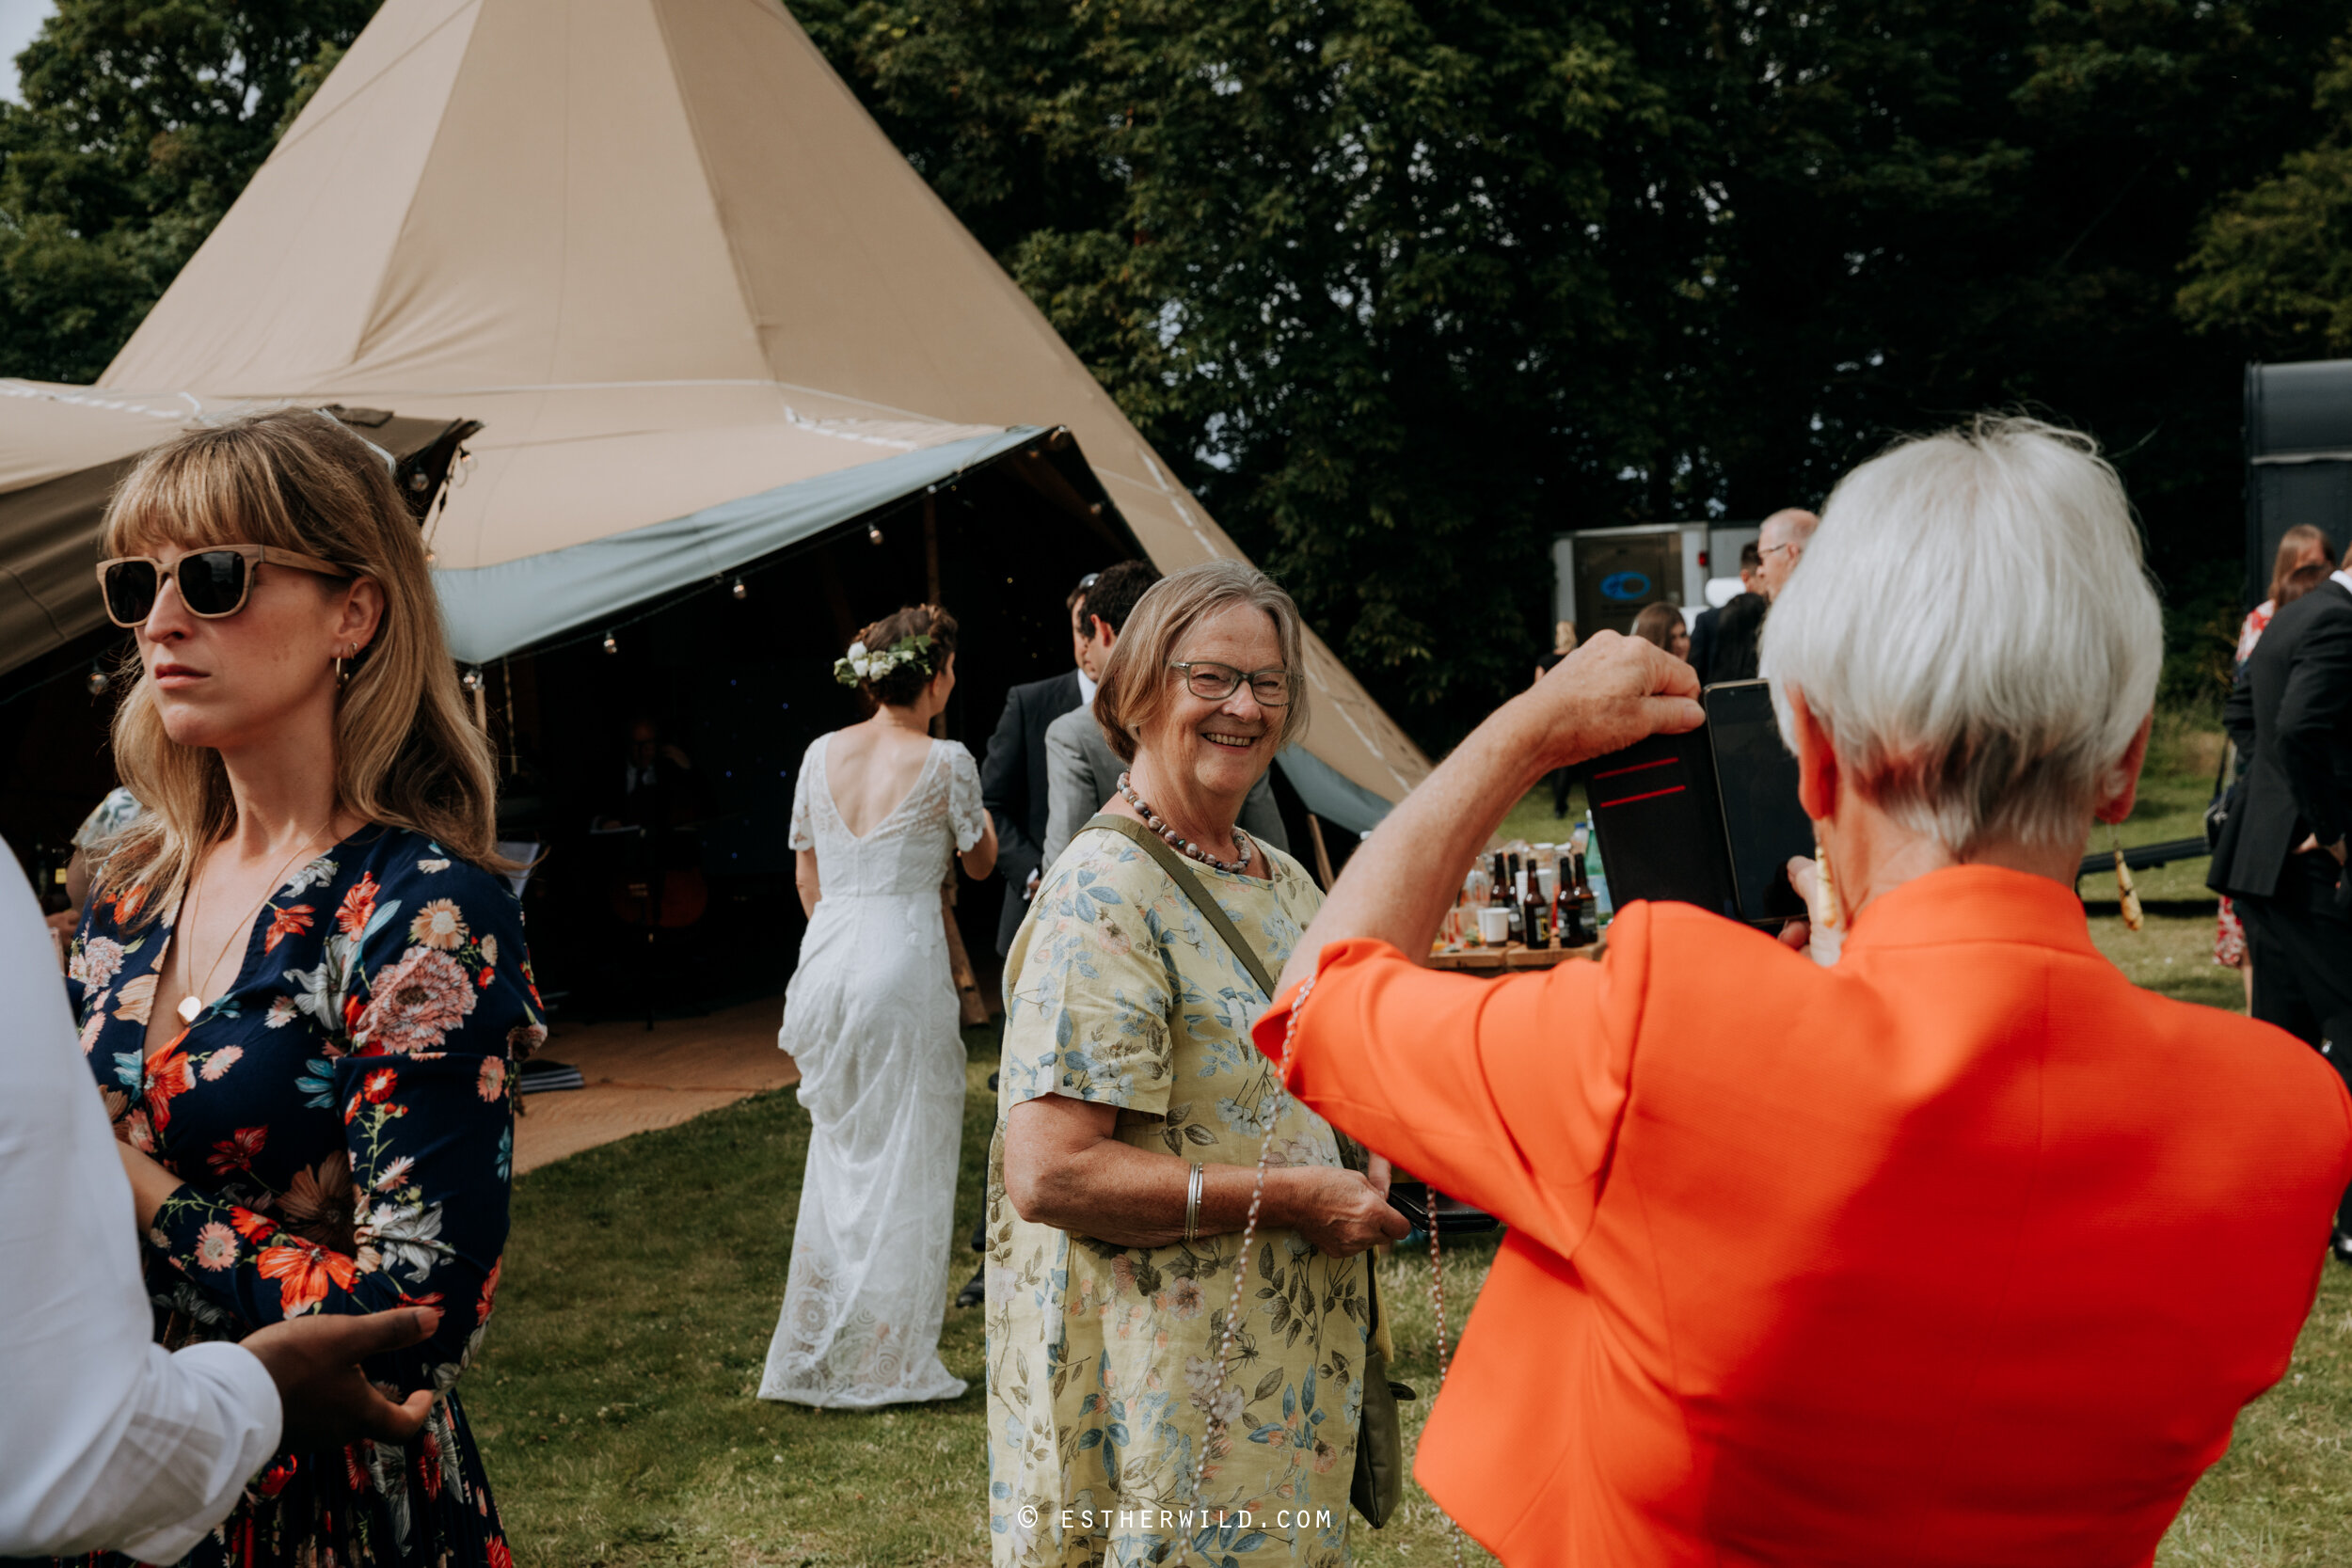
(1703, 630)
(1662, 623)
(116, 811)
(1012, 774)
(878, 811)
(2004, 1276)
(2304, 559)
(654, 786)
(303, 985)
(1082, 772)
(1779, 545)
(2281, 854)
(1128, 1133)
(111, 1441)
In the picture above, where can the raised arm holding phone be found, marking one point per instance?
(1937, 1256)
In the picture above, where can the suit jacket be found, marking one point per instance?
(1013, 786)
(2291, 713)
(1731, 651)
(1082, 772)
(1941, 1257)
(1703, 640)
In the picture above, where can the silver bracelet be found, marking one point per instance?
(1192, 1203)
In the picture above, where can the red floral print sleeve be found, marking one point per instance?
(418, 999)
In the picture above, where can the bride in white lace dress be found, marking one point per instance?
(870, 1016)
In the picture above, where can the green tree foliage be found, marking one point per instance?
(141, 121)
(2273, 263)
(1404, 289)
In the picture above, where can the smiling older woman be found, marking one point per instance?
(1963, 1251)
(1128, 1135)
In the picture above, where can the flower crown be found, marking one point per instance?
(871, 665)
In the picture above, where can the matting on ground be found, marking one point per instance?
(642, 1078)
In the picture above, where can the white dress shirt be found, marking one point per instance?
(108, 1440)
(1086, 686)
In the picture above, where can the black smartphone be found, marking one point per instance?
(1756, 779)
(1709, 817)
(1661, 827)
(1411, 1200)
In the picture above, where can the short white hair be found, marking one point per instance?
(1975, 629)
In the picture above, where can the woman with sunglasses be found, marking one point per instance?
(302, 986)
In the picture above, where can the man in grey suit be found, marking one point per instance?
(1081, 769)
(1012, 775)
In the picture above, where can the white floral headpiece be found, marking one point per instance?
(865, 664)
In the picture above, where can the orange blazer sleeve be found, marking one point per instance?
(1506, 1093)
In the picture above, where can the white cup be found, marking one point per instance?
(1548, 880)
(1494, 926)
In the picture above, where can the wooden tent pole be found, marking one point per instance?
(1323, 856)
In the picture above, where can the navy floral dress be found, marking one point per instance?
(341, 1120)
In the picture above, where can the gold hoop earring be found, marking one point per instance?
(1833, 916)
(342, 665)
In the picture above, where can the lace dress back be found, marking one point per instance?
(870, 1017)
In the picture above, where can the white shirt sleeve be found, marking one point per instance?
(110, 1441)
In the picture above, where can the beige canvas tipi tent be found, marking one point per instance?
(701, 305)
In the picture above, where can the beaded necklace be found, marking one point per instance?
(1177, 841)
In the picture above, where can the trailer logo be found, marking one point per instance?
(1624, 586)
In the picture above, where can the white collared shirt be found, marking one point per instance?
(1087, 686)
(109, 1440)
(2344, 578)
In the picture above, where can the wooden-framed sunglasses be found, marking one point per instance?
(214, 581)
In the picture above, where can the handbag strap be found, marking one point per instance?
(1181, 873)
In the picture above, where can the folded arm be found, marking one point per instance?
(429, 1160)
(1066, 1166)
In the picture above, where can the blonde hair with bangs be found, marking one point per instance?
(406, 754)
(1137, 687)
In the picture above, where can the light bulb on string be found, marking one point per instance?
(96, 682)
(471, 680)
(873, 533)
(611, 645)
(739, 590)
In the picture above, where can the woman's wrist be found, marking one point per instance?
(1280, 1208)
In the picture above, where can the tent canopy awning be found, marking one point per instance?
(496, 609)
(664, 256)
(62, 452)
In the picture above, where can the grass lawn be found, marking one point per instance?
(614, 1406)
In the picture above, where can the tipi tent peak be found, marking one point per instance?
(689, 289)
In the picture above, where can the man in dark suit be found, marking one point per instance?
(2282, 853)
(1013, 777)
(1705, 632)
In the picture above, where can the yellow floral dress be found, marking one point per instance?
(1102, 1359)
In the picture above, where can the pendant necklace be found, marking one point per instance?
(193, 1004)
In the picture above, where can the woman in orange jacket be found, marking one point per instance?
(1960, 1251)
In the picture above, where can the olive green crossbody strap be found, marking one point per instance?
(1181, 875)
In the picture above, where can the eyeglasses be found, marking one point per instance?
(1776, 549)
(213, 582)
(1213, 681)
